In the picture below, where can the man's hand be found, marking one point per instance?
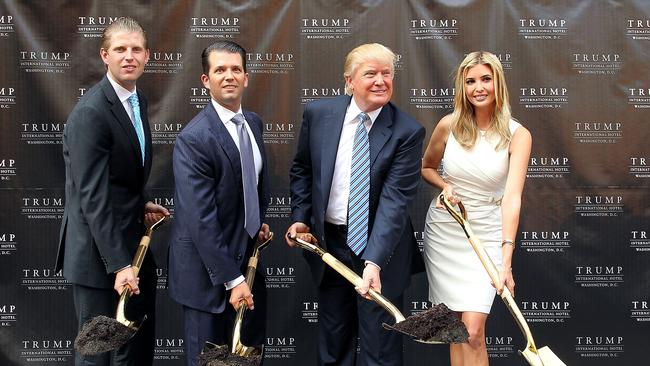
(264, 233)
(370, 280)
(126, 277)
(239, 293)
(153, 213)
(293, 230)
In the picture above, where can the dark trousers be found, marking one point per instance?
(343, 315)
(90, 302)
(200, 326)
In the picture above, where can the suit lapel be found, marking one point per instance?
(331, 133)
(380, 132)
(123, 119)
(223, 137)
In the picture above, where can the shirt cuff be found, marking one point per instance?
(230, 284)
(373, 263)
(129, 266)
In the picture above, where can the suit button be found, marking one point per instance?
(239, 256)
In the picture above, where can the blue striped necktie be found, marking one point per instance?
(249, 178)
(137, 122)
(358, 201)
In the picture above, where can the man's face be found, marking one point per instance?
(125, 57)
(371, 84)
(226, 79)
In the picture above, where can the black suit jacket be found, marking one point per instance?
(395, 159)
(209, 243)
(104, 188)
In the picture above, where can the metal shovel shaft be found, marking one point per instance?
(136, 264)
(238, 347)
(357, 281)
(530, 353)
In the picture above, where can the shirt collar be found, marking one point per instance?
(122, 93)
(224, 113)
(354, 110)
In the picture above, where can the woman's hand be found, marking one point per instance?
(506, 278)
(450, 195)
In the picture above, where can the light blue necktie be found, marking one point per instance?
(249, 177)
(137, 122)
(358, 201)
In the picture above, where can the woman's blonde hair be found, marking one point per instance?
(463, 125)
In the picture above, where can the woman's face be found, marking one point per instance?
(479, 86)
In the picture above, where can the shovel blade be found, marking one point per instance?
(543, 357)
(413, 336)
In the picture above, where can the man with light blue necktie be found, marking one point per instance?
(354, 175)
(107, 154)
(221, 194)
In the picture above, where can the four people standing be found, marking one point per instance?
(484, 154)
(352, 180)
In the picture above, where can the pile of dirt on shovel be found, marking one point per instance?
(221, 356)
(436, 324)
(101, 334)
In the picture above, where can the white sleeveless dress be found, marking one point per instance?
(478, 176)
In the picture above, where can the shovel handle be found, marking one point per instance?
(254, 259)
(491, 269)
(140, 253)
(308, 242)
(357, 281)
(238, 347)
(136, 264)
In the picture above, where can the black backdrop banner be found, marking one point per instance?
(578, 74)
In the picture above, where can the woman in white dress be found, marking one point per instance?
(484, 154)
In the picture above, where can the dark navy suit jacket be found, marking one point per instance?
(209, 242)
(395, 157)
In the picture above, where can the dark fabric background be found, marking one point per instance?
(578, 80)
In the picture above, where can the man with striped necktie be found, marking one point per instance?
(355, 173)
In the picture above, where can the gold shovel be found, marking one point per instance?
(310, 243)
(238, 347)
(136, 264)
(101, 333)
(213, 352)
(535, 356)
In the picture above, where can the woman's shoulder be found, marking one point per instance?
(518, 131)
(514, 125)
(445, 122)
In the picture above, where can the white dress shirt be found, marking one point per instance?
(123, 95)
(337, 206)
(226, 116)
